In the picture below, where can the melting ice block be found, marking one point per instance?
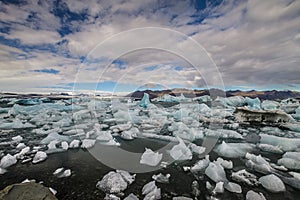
(181, 151)
(233, 150)
(251, 195)
(151, 158)
(114, 182)
(88, 143)
(151, 191)
(216, 172)
(272, 183)
(39, 157)
(290, 160)
(7, 161)
(131, 196)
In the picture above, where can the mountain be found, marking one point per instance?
(271, 95)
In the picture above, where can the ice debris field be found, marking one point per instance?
(261, 137)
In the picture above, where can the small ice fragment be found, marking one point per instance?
(54, 192)
(161, 178)
(64, 145)
(17, 138)
(74, 144)
(39, 157)
(272, 183)
(151, 158)
(219, 188)
(8, 161)
(131, 196)
(251, 195)
(88, 143)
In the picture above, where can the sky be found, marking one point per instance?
(125, 45)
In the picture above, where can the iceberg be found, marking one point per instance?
(216, 172)
(145, 102)
(233, 150)
(251, 195)
(8, 161)
(54, 136)
(64, 145)
(258, 163)
(88, 143)
(270, 105)
(151, 158)
(225, 163)
(112, 182)
(111, 197)
(131, 196)
(39, 157)
(286, 144)
(270, 148)
(151, 191)
(196, 149)
(16, 124)
(161, 178)
(253, 104)
(290, 160)
(17, 138)
(181, 151)
(21, 154)
(272, 183)
(233, 187)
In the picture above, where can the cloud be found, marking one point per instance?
(253, 43)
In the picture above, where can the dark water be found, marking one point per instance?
(87, 171)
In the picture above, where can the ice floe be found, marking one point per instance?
(151, 158)
(272, 183)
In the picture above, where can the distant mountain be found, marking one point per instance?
(271, 95)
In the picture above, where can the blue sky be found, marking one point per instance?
(51, 46)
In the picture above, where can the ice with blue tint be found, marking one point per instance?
(270, 105)
(253, 104)
(145, 102)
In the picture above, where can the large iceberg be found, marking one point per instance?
(145, 102)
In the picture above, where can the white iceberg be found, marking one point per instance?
(233, 187)
(286, 144)
(225, 163)
(151, 158)
(219, 188)
(216, 172)
(270, 105)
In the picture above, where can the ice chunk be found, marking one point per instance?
(16, 124)
(225, 163)
(286, 144)
(17, 138)
(201, 165)
(115, 182)
(181, 198)
(151, 191)
(272, 183)
(181, 151)
(251, 195)
(295, 175)
(253, 104)
(244, 177)
(88, 143)
(270, 105)
(74, 144)
(161, 178)
(258, 163)
(126, 176)
(111, 197)
(196, 149)
(55, 136)
(52, 145)
(151, 158)
(290, 160)
(219, 188)
(145, 102)
(7, 161)
(20, 146)
(233, 150)
(233, 187)
(223, 133)
(61, 172)
(131, 196)
(21, 154)
(64, 145)
(270, 148)
(39, 157)
(216, 172)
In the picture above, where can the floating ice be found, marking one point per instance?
(127, 176)
(251, 195)
(74, 144)
(225, 163)
(253, 104)
(61, 172)
(233, 187)
(272, 183)
(196, 149)
(17, 138)
(55, 136)
(223, 133)
(201, 165)
(113, 182)
(161, 178)
(219, 188)
(21, 154)
(270, 148)
(2, 171)
(233, 150)
(286, 144)
(131, 196)
(151, 158)
(39, 157)
(145, 102)
(88, 143)
(181, 198)
(270, 105)
(64, 145)
(151, 191)
(16, 124)
(20, 146)
(181, 151)
(216, 172)
(166, 98)
(244, 177)
(258, 163)
(7, 161)
(111, 197)
(290, 160)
